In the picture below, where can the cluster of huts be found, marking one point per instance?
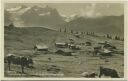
(63, 48)
(105, 49)
(67, 49)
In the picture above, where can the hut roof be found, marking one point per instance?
(61, 43)
(42, 46)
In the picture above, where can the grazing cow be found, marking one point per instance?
(9, 59)
(18, 60)
(108, 72)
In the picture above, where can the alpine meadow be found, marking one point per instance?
(64, 40)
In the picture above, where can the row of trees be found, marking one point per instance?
(91, 33)
(115, 37)
(76, 32)
(65, 30)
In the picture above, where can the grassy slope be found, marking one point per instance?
(20, 41)
(26, 38)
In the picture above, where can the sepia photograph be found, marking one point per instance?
(64, 40)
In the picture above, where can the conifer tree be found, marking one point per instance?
(65, 30)
(60, 30)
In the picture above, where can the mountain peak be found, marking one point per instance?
(35, 16)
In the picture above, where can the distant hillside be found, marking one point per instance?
(107, 24)
(16, 38)
(25, 38)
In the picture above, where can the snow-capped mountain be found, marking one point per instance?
(35, 16)
(19, 10)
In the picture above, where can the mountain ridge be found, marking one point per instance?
(48, 17)
(106, 24)
(35, 16)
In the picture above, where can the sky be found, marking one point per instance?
(83, 9)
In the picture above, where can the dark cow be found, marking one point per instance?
(18, 60)
(9, 59)
(108, 72)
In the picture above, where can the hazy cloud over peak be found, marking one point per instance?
(83, 9)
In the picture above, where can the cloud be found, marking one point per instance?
(90, 11)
